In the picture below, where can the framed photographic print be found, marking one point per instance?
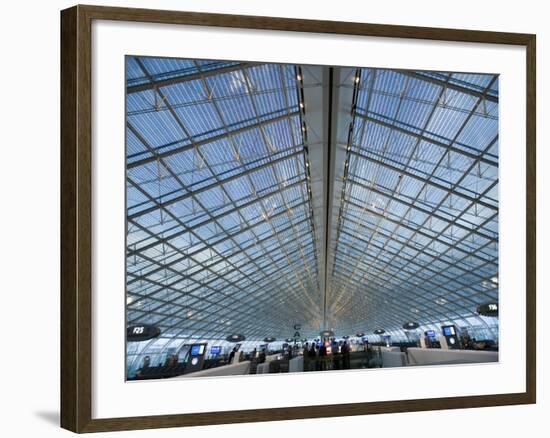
(252, 205)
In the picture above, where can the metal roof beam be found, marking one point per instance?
(159, 204)
(195, 144)
(250, 297)
(418, 207)
(447, 146)
(424, 180)
(223, 239)
(451, 85)
(186, 78)
(211, 219)
(408, 263)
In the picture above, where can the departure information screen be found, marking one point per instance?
(197, 349)
(449, 331)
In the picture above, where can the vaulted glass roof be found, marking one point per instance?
(220, 231)
(417, 235)
(229, 211)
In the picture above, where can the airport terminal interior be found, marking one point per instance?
(298, 218)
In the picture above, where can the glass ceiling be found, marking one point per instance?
(221, 234)
(417, 234)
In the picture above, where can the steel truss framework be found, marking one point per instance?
(221, 230)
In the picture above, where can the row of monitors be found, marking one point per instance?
(448, 330)
(198, 349)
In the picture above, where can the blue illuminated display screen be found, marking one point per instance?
(216, 350)
(197, 349)
(449, 331)
(430, 333)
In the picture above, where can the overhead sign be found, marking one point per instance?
(326, 333)
(235, 338)
(143, 332)
(410, 325)
(488, 309)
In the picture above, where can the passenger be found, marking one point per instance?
(232, 355)
(346, 356)
(289, 350)
(146, 361)
(335, 354)
(305, 353)
(312, 357)
(323, 357)
(170, 360)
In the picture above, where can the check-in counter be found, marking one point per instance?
(262, 368)
(391, 359)
(234, 369)
(296, 365)
(436, 356)
(272, 357)
(390, 349)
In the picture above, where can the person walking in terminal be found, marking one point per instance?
(335, 354)
(232, 355)
(305, 353)
(346, 365)
(323, 357)
(312, 357)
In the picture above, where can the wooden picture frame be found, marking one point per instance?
(76, 217)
